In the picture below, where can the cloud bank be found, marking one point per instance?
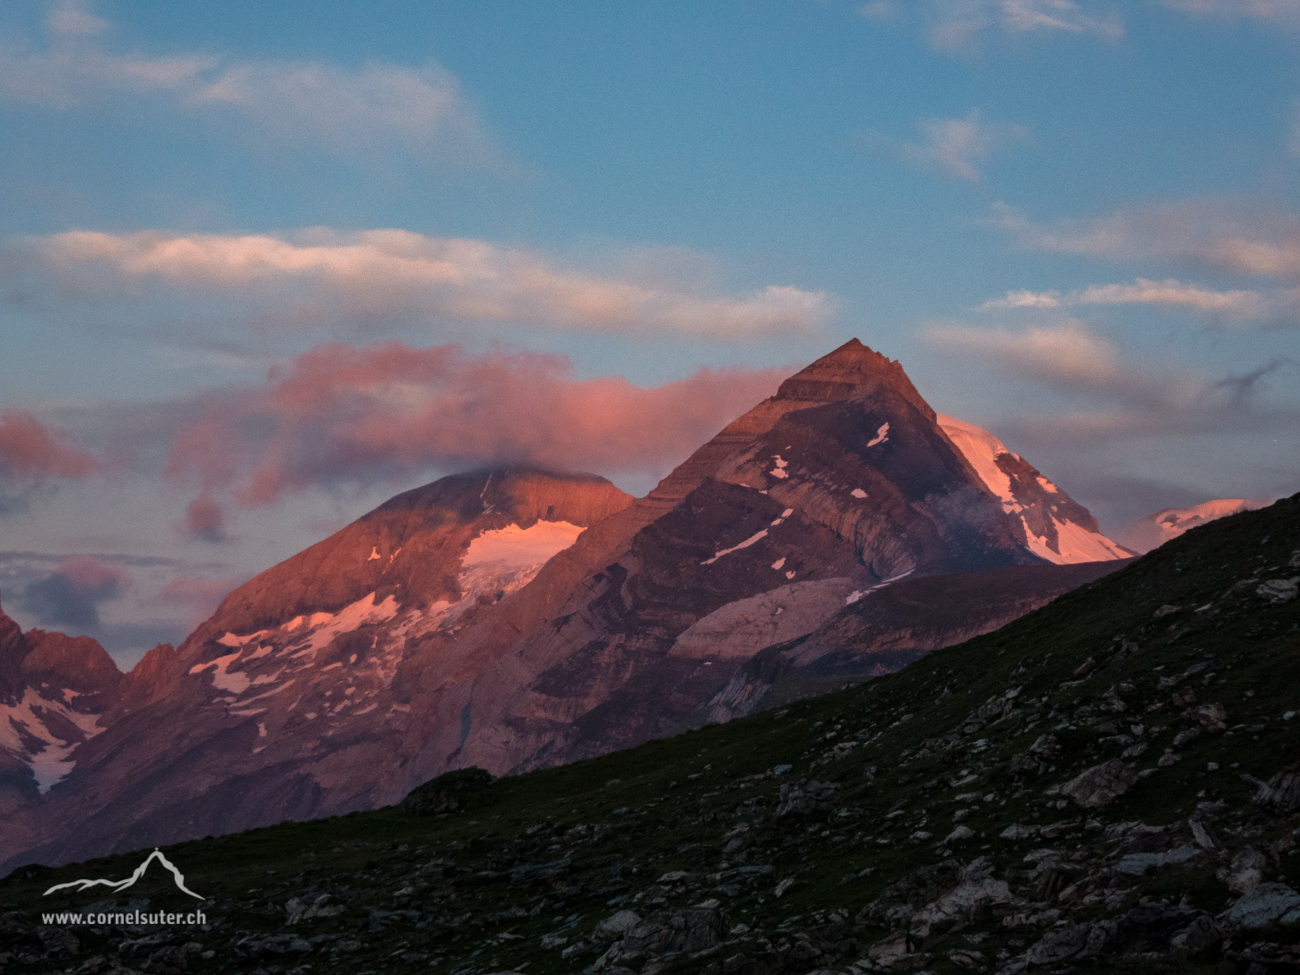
(375, 275)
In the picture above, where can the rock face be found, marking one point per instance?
(517, 619)
(54, 691)
(882, 630)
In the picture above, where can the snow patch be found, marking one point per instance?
(26, 719)
(779, 471)
(1047, 485)
(789, 575)
(374, 554)
(230, 640)
(520, 547)
(857, 594)
(326, 626)
(235, 683)
(752, 539)
(858, 493)
(981, 450)
(779, 562)
(882, 435)
(1075, 544)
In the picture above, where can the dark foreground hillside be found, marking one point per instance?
(1107, 784)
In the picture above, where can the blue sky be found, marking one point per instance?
(239, 241)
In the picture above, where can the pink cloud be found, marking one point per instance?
(200, 596)
(32, 450)
(366, 415)
(92, 576)
(205, 520)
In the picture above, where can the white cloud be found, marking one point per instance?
(956, 24)
(1239, 305)
(1209, 233)
(1023, 299)
(371, 275)
(955, 147)
(352, 111)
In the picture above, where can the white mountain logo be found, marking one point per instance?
(139, 872)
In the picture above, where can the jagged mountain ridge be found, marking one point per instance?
(418, 639)
(53, 691)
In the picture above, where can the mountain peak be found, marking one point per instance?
(852, 371)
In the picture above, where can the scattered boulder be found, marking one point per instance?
(1059, 944)
(1246, 871)
(975, 894)
(614, 927)
(1100, 785)
(1038, 757)
(300, 910)
(899, 901)
(1278, 591)
(1279, 794)
(1264, 904)
(1136, 864)
(806, 797)
(447, 793)
(1212, 717)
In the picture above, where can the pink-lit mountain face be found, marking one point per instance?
(519, 618)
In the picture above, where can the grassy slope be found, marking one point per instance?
(625, 819)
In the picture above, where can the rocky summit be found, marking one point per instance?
(1107, 784)
(516, 619)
